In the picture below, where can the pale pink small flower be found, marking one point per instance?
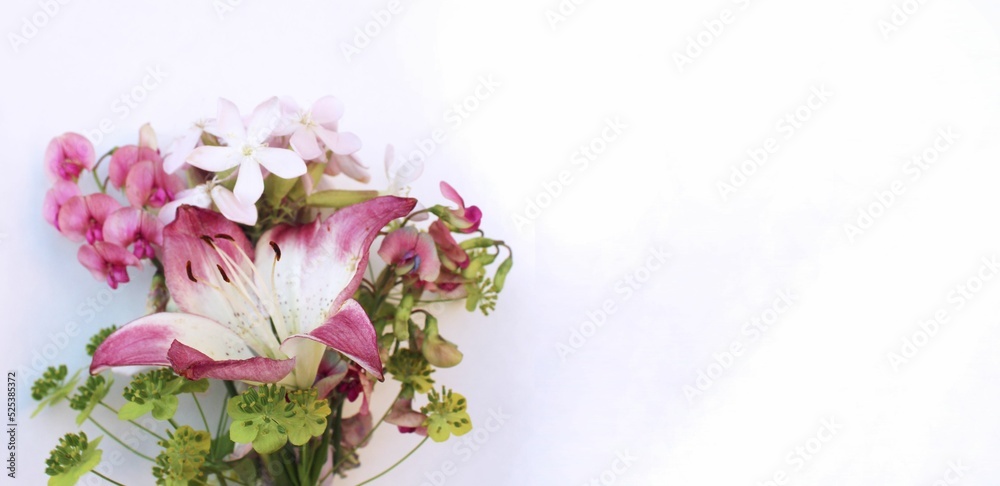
(107, 262)
(182, 146)
(68, 155)
(82, 217)
(204, 196)
(246, 148)
(61, 192)
(136, 228)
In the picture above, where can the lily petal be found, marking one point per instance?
(350, 332)
(195, 365)
(322, 263)
(202, 250)
(146, 341)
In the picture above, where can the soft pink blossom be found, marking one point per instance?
(61, 192)
(68, 155)
(107, 262)
(82, 217)
(411, 251)
(136, 228)
(464, 219)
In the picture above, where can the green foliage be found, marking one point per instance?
(88, 396)
(411, 368)
(156, 391)
(269, 417)
(53, 387)
(71, 459)
(446, 415)
(183, 457)
(97, 339)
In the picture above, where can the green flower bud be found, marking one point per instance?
(183, 457)
(437, 350)
(446, 415)
(52, 387)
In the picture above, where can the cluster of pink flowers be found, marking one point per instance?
(218, 163)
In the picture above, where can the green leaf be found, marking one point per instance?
(89, 395)
(165, 407)
(258, 417)
(132, 410)
(72, 458)
(339, 198)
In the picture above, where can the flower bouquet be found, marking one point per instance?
(262, 285)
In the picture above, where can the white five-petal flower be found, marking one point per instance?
(247, 148)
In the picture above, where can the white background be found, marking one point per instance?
(622, 391)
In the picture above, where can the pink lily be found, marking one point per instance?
(411, 251)
(465, 220)
(61, 192)
(263, 315)
(134, 227)
(82, 217)
(68, 155)
(107, 262)
(247, 148)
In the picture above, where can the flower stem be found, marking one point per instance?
(112, 481)
(133, 422)
(201, 412)
(173, 423)
(383, 473)
(366, 437)
(116, 439)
